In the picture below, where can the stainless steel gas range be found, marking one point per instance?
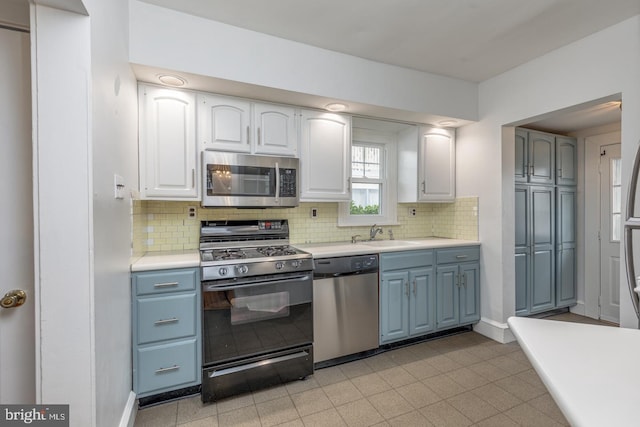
(257, 318)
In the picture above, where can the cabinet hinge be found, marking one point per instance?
(599, 237)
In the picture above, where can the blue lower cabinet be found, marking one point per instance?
(166, 329)
(457, 287)
(168, 366)
(407, 295)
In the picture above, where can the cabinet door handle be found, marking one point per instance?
(165, 285)
(462, 256)
(532, 170)
(424, 187)
(259, 137)
(560, 172)
(169, 369)
(406, 288)
(165, 321)
(193, 178)
(248, 135)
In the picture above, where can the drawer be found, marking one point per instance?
(167, 317)
(157, 282)
(172, 365)
(462, 254)
(405, 260)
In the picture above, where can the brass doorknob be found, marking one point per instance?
(14, 298)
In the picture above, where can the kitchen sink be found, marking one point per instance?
(389, 243)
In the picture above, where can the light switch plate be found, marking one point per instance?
(118, 186)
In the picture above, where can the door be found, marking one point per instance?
(224, 123)
(610, 232)
(470, 293)
(168, 161)
(17, 325)
(522, 248)
(522, 156)
(421, 316)
(566, 246)
(437, 165)
(542, 240)
(447, 296)
(274, 130)
(542, 158)
(394, 306)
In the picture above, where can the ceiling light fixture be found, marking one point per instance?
(335, 107)
(171, 80)
(447, 122)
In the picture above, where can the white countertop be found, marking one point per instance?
(327, 250)
(191, 258)
(166, 260)
(590, 370)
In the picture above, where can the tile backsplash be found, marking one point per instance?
(166, 226)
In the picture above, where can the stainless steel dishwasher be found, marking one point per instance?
(345, 306)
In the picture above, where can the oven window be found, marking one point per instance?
(255, 319)
(255, 308)
(225, 180)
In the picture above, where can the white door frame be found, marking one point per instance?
(592, 146)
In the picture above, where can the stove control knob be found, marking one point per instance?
(243, 269)
(295, 264)
(279, 265)
(223, 271)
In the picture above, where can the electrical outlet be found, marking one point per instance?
(314, 213)
(412, 211)
(192, 211)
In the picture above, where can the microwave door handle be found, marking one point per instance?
(277, 182)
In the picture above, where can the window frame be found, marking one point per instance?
(387, 142)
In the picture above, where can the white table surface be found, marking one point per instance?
(590, 370)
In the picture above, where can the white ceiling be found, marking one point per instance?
(467, 39)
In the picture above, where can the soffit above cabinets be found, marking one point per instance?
(468, 39)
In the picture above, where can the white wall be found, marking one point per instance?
(85, 130)
(597, 66)
(61, 72)
(114, 134)
(177, 41)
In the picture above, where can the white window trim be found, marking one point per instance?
(389, 200)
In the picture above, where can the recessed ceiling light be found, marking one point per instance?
(447, 122)
(335, 107)
(171, 80)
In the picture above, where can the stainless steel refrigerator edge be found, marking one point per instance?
(345, 306)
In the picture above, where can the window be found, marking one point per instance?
(616, 199)
(373, 181)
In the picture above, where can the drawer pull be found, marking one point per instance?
(165, 321)
(169, 369)
(165, 285)
(462, 256)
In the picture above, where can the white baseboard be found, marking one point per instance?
(496, 331)
(580, 308)
(131, 408)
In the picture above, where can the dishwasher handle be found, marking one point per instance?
(329, 275)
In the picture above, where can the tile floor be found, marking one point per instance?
(460, 380)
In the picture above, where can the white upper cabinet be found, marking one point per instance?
(238, 125)
(167, 146)
(224, 123)
(426, 165)
(274, 130)
(325, 160)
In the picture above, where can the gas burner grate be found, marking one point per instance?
(276, 250)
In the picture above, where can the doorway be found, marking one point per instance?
(602, 226)
(17, 324)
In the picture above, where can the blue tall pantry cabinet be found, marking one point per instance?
(545, 237)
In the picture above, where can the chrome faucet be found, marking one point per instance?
(354, 239)
(374, 231)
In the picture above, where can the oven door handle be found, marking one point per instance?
(217, 288)
(277, 182)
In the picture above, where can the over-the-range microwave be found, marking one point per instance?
(249, 181)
